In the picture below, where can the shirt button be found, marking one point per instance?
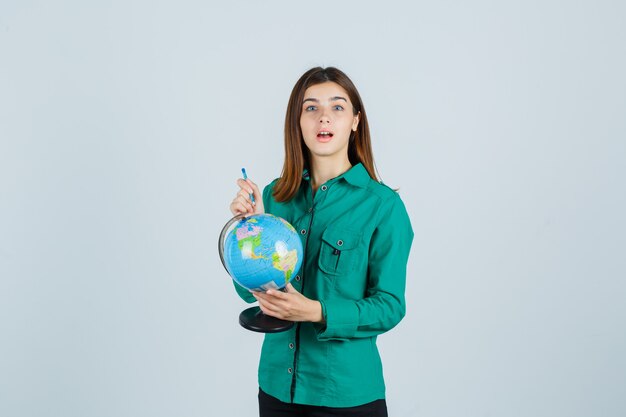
(290, 345)
(340, 242)
(297, 277)
(310, 209)
(303, 231)
(290, 370)
(324, 188)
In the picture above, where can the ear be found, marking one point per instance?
(356, 120)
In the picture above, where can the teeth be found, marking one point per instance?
(325, 133)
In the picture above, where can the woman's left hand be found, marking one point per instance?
(289, 305)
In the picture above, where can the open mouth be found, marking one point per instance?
(325, 135)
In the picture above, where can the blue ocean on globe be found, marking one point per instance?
(263, 251)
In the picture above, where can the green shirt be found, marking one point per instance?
(357, 236)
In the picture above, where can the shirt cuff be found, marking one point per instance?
(342, 320)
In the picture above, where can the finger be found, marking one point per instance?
(251, 193)
(238, 208)
(273, 303)
(252, 183)
(257, 294)
(277, 294)
(274, 314)
(269, 298)
(255, 188)
(265, 310)
(262, 296)
(270, 309)
(244, 194)
(259, 297)
(245, 186)
(244, 202)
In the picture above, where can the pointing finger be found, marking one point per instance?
(244, 185)
(277, 294)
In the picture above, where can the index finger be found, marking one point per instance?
(243, 184)
(277, 294)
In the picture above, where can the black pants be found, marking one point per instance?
(273, 407)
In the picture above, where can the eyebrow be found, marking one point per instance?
(331, 99)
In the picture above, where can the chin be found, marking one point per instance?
(327, 153)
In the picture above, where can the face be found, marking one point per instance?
(327, 120)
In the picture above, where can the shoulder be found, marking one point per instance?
(386, 195)
(390, 204)
(267, 193)
(381, 190)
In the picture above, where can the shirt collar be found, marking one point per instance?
(357, 175)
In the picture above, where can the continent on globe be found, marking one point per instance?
(285, 260)
(248, 239)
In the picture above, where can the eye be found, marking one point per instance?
(309, 108)
(338, 107)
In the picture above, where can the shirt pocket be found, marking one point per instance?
(338, 252)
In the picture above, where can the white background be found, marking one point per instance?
(124, 125)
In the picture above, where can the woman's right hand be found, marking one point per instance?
(242, 204)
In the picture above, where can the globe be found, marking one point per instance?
(261, 251)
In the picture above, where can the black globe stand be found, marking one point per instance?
(252, 318)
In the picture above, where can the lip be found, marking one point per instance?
(324, 139)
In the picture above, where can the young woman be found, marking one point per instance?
(356, 236)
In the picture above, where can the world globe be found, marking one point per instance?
(260, 252)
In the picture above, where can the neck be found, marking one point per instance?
(324, 169)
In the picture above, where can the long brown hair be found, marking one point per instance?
(296, 152)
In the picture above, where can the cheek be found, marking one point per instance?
(305, 130)
(307, 122)
(346, 126)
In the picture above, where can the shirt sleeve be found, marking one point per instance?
(244, 293)
(384, 305)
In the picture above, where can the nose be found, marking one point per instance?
(324, 118)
